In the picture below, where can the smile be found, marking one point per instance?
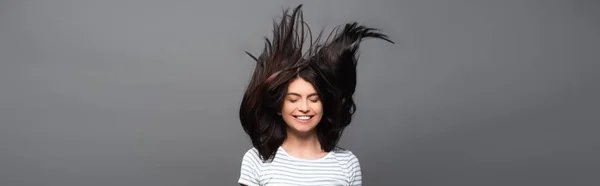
(303, 118)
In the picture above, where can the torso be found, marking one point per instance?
(331, 169)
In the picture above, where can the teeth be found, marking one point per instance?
(303, 117)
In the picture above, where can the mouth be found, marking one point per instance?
(303, 118)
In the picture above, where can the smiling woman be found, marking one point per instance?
(297, 105)
(302, 109)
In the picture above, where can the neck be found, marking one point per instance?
(302, 142)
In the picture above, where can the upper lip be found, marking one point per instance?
(302, 115)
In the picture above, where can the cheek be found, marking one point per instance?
(287, 108)
(318, 108)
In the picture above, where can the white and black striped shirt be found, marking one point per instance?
(338, 167)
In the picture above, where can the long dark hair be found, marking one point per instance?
(330, 67)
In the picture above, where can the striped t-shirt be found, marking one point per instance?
(338, 167)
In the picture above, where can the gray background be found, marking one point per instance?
(146, 92)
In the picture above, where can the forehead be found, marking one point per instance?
(301, 86)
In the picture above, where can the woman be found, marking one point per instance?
(297, 105)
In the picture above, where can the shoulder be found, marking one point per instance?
(343, 152)
(252, 153)
(345, 155)
(251, 156)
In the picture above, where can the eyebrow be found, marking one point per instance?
(296, 94)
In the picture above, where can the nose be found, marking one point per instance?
(303, 107)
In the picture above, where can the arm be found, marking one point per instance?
(355, 171)
(249, 169)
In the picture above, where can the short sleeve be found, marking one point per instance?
(355, 171)
(250, 168)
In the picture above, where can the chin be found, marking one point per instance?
(303, 129)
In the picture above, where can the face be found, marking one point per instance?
(302, 108)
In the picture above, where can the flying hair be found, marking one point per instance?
(330, 66)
